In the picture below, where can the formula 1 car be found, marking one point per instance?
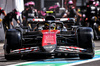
(49, 37)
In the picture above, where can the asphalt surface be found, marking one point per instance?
(4, 62)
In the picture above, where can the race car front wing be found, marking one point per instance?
(59, 49)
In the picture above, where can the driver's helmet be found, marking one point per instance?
(53, 26)
(46, 26)
(70, 2)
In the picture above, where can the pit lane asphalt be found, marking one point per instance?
(4, 62)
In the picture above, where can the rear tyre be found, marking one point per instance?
(85, 38)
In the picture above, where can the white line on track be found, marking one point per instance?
(72, 64)
(20, 63)
(82, 62)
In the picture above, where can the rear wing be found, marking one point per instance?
(57, 19)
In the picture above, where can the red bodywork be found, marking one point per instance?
(49, 37)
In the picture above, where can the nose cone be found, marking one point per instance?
(49, 41)
(49, 48)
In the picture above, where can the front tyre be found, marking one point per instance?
(7, 51)
(85, 40)
(88, 56)
(12, 42)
